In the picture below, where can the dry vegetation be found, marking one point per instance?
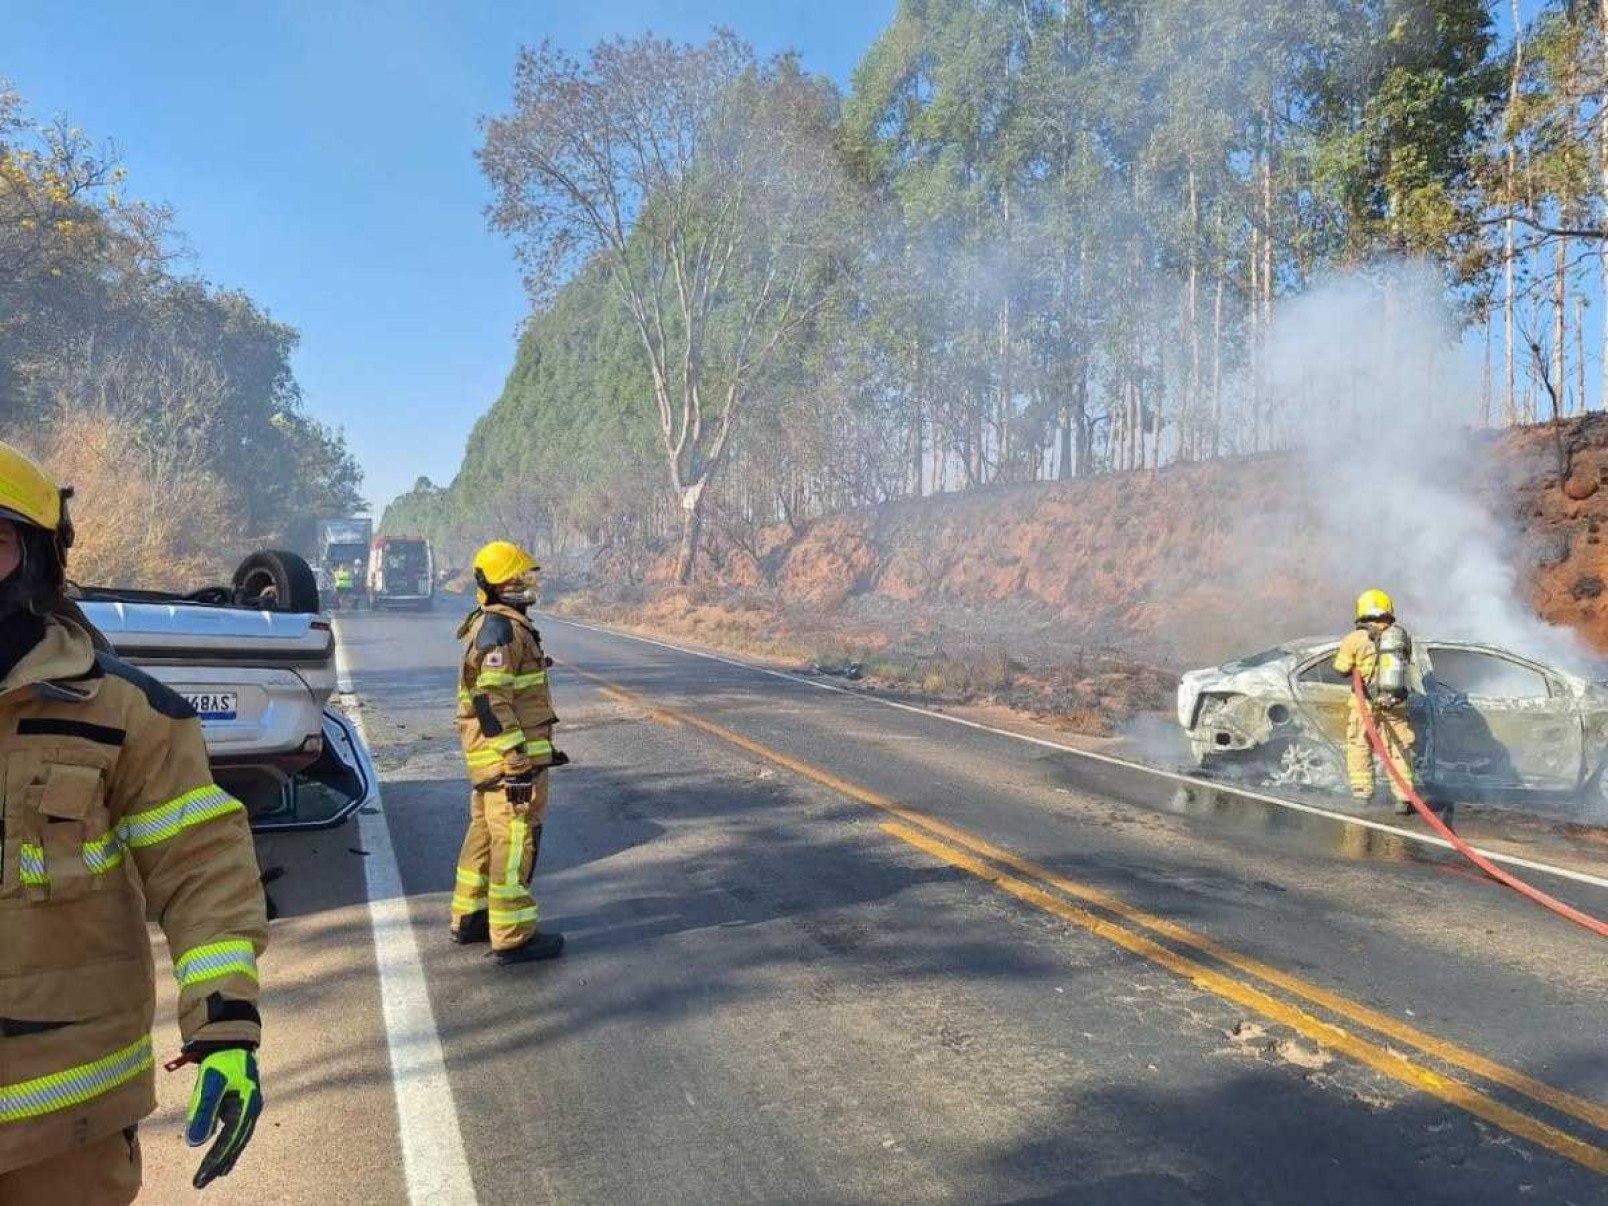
(167, 402)
(143, 517)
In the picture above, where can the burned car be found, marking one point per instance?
(256, 660)
(1491, 725)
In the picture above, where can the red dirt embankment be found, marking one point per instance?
(1175, 568)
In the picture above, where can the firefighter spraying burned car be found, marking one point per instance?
(1472, 722)
(1379, 653)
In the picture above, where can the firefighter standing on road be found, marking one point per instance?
(343, 587)
(1379, 650)
(505, 720)
(110, 815)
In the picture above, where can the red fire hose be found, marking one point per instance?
(1596, 926)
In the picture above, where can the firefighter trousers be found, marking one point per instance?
(496, 862)
(1396, 733)
(105, 1172)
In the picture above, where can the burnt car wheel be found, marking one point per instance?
(1306, 763)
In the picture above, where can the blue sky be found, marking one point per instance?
(319, 156)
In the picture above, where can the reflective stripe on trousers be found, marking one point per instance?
(511, 905)
(494, 869)
(469, 892)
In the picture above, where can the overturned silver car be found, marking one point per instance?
(256, 661)
(1491, 725)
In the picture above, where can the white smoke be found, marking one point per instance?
(1376, 391)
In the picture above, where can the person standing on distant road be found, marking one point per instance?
(343, 587)
(505, 721)
(1363, 651)
(110, 816)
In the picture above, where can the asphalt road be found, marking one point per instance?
(822, 950)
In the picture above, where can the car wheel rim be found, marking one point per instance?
(260, 586)
(1303, 765)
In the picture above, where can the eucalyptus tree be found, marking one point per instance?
(709, 186)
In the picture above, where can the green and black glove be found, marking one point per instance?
(226, 1100)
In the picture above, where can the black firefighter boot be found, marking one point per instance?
(543, 944)
(473, 928)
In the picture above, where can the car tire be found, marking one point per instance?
(280, 576)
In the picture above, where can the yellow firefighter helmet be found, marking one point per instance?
(27, 493)
(1375, 605)
(502, 562)
(30, 498)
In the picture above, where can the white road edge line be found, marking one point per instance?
(1426, 839)
(435, 1165)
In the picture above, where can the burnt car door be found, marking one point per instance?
(1324, 694)
(1501, 723)
(1325, 698)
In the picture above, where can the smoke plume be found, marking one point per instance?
(1373, 387)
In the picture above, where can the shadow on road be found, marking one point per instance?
(689, 896)
(1140, 1144)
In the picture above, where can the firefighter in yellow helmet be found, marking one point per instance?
(1380, 651)
(505, 721)
(110, 816)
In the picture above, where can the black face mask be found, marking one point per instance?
(31, 588)
(493, 595)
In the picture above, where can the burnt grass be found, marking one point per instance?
(1011, 656)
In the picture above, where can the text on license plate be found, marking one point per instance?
(214, 705)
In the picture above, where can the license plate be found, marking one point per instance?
(214, 705)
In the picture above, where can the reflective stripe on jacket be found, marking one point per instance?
(505, 712)
(110, 815)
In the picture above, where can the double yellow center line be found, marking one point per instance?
(1201, 960)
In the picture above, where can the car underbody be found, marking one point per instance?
(260, 676)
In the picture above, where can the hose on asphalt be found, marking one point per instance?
(1365, 710)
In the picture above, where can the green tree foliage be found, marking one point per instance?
(704, 184)
(568, 451)
(95, 323)
(1074, 220)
